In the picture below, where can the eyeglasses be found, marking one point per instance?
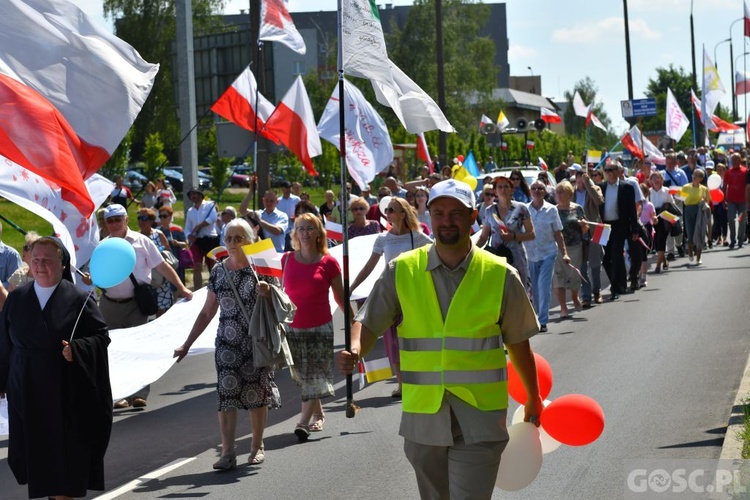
(234, 239)
(358, 209)
(390, 210)
(143, 218)
(114, 220)
(164, 216)
(537, 188)
(610, 170)
(305, 229)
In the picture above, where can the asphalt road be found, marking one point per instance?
(664, 363)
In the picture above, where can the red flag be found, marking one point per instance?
(504, 146)
(722, 126)
(423, 153)
(543, 164)
(294, 124)
(334, 231)
(529, 144)
(69, 92)
(236, 104)
(631, 146)
(277, 26)
(747, 20)
(550, 116)
(696, 105)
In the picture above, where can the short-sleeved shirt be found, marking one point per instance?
(675, 177)
(735, 180)
(391, 245)
(546, 222)
(307, 286)
(648, 212)
(276, 218)
(120, 196)
(205, 212)
(517, 322)
(147, 257)
(660, 197)
(287, 205)
(10, 260)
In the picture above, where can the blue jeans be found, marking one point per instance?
(541, 286)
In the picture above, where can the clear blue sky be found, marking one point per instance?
(564, 41)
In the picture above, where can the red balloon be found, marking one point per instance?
(717, 195)
(461, 158)
(543, 375)
(573, 419)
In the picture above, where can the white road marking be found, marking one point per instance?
(145, 478)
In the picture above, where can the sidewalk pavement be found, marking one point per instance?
(732, 447)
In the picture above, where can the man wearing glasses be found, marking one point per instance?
(618, 210)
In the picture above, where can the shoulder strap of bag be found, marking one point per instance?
(132, 278)
(209, 212)
(411, 235)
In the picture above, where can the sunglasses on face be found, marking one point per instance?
(164, 216)
(305, 229)
(143, 218)
(114, 220)
(515, 179)
(358, 209)
(610, 170)
(537, 188)
(234, 239)
(390, 210)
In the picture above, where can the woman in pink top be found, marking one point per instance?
(309, 273)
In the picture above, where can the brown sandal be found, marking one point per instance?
(317, 424)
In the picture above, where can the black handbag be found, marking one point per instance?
(501, 251)
(145, 297)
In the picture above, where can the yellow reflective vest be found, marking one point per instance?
(463, 354)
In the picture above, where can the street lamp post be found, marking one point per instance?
(736, 61)
(716, 62)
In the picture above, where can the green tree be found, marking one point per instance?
(118, 162)
(154, 156)
(150, 27)
(469, 70)
(576, 125)
(220, 168)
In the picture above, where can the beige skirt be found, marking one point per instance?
(565, 276)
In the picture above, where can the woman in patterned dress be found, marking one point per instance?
(360, 225)
(309, 273)
(146, 221)
(240, 384)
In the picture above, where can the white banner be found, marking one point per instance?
(365, 54)
(368, 146)
(676, 121)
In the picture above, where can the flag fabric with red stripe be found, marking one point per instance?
(595, 121)
(294, 124)
(550, 116)
(276, 25)
(747, 20)
(423, 153)
(484, 121)
(69, 92)
(543, 164)
(504, 146)
(529, 144)
(600, 233)
(236, 104)
(218, 254)
(264, 257)
(723, 126)
(742, 82)
(638, 144)
(334, 231)
(669, 217)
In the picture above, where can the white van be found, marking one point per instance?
(735, 139)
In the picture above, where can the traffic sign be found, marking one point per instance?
(638, 108)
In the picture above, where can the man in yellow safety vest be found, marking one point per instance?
(460, 306)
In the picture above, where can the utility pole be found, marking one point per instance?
(442, 142)
(261, 169)
(186, 96)
(627, 49)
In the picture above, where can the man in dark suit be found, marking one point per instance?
(618, 210)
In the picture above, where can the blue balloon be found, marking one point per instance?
(112, 262)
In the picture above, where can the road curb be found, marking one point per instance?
(732, 447)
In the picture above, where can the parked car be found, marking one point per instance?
(241, 177)
(134, 181)
(176, 179)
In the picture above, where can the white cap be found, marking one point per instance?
(452, 188)
(575, 167)
(115, 210)
(709, 164)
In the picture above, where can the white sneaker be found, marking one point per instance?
(690, 258)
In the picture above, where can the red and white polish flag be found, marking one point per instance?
(277, 26)
(334, 231)
(423, 152)
(549, 116)
(236, 104)
(600, 233)
(747, 20)
(69, 92)
(294, 124)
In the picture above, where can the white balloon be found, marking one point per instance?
(549, 444)
(713, 181)
(522, 458)
(383, 204)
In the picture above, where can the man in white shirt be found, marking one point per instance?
(273, 221)
(287, 203)
(202, 233)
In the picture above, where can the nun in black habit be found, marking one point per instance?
(59, 396)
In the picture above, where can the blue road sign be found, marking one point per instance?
(638, 107)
